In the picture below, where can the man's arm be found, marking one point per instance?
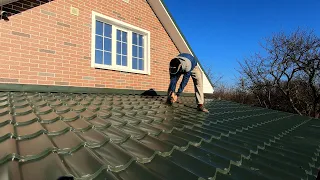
(184, 82)
(173, 83)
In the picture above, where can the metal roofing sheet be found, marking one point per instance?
(104, 136)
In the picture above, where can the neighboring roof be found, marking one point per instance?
(132, 137)
(175, 33)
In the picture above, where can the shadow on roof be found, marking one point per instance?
(150, 92)
(65, 178)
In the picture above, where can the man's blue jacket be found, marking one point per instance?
(186, 73)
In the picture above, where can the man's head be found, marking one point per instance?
(175, 66)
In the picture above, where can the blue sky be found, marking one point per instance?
(222, 32)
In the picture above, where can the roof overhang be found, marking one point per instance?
(167, 21)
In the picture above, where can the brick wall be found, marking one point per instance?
(44, 44)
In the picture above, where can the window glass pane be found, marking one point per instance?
(119, 47)
(124, 60)
(141, 65)
(134, 51)
(98, 58)
(140, 40)
(107, 58)
(124, 36)
(118, 59)
(99, 42)
(134, 63)
(134, 39)
(124, 48)
(140, 52)
(99, 27)
(107, 30)
(118, 35)
(107, 44)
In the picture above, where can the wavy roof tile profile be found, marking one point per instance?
(132, 137)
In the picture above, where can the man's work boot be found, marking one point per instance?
(202, 108)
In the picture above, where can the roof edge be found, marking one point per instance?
(74, 89)
(185, 40)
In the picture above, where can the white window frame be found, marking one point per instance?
(117, 24)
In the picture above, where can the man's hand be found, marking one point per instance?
(174, 97)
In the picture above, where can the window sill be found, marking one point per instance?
(121, 69)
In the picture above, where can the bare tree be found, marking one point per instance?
(214, 77)
(288, 77)
(255, 73)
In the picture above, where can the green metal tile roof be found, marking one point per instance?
(46, 135)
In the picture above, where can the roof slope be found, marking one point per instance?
(122, 137)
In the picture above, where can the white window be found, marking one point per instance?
(119, 46)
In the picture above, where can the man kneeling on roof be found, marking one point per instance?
(185, 64)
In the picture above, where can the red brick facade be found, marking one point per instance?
(45, 44)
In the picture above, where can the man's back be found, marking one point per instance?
(188, 57)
